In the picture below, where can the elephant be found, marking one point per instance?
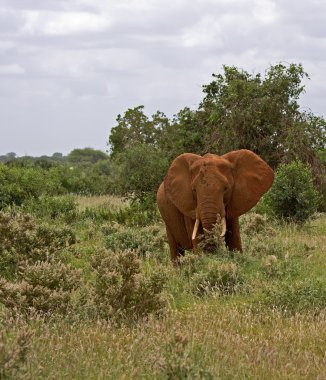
(198, 188)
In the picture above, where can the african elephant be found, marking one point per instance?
(198, 188)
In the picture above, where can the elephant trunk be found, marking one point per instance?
(209, 213)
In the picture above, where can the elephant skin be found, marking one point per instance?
(202, 187)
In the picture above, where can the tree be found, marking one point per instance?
(141, 169)
(86, 156)
(185, 133)
(262, 114)
(134, 127)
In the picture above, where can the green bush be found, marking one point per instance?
(144, 241)
(21, 184)
(122, 291)
(219, 277)
(142, 169)
(82, 180)
(308, 295)
(64, 207)
(292, 195)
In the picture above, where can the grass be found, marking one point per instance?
(271, 326)
(102, 200)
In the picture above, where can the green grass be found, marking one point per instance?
(262, 316)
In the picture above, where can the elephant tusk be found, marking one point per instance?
(223, 227)
(194, 232)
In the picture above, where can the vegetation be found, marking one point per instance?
(87, 289)
(106, 302)
(293, 196)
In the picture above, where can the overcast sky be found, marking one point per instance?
(69, 67)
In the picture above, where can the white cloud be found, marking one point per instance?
(60, 23)
(12, 69)
(265, 12)
(104, 56)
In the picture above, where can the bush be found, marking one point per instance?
(52, 207)
(308, 295)
(253, 224)
(43, 288)
(122, 291)
(82, 180)
(219, 277)
(142, 169)
(143, 241)
(21, 184)
(293, 196)
(22, 239)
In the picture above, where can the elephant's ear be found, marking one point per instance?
(177, 184)
(252, 178)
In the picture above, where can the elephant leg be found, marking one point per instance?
(176, 251)
(232, 236)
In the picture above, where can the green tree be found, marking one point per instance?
(141, 170)
(262, 114)
(292, 195)
(134, 127)
(85, 156)
(185, 133)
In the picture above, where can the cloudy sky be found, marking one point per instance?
(69, 67)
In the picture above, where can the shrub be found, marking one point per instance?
(122, 291)
(219, 277)
(142, 169)
(20, 184)
(22, 239)
(136, 214)
(293, 196)
(43, 288)
(212, 241)
(82, 180)
(308, 295)
(253, 224)
(143, 241)
(52, 207)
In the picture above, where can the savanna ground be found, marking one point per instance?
(256, 315)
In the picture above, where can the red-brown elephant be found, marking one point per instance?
(198, 188)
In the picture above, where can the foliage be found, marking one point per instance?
(122, 291)
(82, 179)
(299, 296)
(21, 184)
(135, 128)
(222, 311)
(143, 241)
(23, 240)
(292, 195)
(52, 207)
(219, 278)
(185, 133)
(142, 170)
(43, 288)
(85, 156)
(262, 114)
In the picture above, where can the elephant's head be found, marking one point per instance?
(229, 185)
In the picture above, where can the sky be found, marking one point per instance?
(69, 67)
